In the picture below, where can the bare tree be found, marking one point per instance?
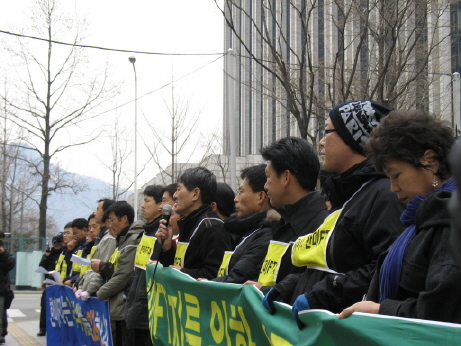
(397, 54)
(181, 129)
(213, 157)
(309, 55)
(121, 183)
(55, 92)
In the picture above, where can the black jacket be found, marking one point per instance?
(367, 226)
(136, 314)
(208, 240)
(298, 219)
(49, 261)
(7, 263)
(248, 256)
(430, 278)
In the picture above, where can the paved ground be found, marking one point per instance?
(23, 320)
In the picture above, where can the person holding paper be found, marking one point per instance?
(128, 235)
(80, 231)
(48, 262)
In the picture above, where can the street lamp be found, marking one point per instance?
(132, 60)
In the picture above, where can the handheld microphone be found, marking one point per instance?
(167, 210)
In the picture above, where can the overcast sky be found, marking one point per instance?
(174, 26)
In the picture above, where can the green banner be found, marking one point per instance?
(183, 311)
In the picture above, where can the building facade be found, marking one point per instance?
(294, 60)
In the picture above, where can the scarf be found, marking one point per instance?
(389, 276)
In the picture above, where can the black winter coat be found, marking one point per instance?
(49, 262)
(430, 277)
(136, 313)
(368, 225)
(249, 254)
(7, 263)
(298, 219)
(208, 240)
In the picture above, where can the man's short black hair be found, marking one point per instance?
(154, 191)
(80, 223)
(256, 176)
(171, 189)
(2, 235)
(68, 225)
(92, 216)
(106, 203)
(202, 178)
(122, 208)
(225, 199)
(297, 156)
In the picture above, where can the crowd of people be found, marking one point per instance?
(377, 236)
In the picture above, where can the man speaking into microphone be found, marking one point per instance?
(202, 237)
(136, 312)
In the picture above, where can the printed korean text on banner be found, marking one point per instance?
(183, 311)
(73, 322)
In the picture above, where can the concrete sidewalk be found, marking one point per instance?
(24, 334)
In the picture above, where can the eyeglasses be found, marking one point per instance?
(112, 220)
(329, 131)
(238, 192)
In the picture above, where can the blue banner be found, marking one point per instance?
(70, 321)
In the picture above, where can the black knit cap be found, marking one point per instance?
(354, 121)
(58, 239)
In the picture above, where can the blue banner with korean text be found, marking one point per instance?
(70, 321)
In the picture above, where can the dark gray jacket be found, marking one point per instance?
(114, 289)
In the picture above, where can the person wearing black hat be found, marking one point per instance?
(363, 220)
(48, 262)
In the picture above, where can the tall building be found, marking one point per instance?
(294, 60)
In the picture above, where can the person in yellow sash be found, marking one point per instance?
(418, 276)
(63, 266)
(128, 235)
(92, 280)
(100, 218)
(80, 231)
(251, 226)
(48, 262)
(202, 237)
(136, 313)
(71, 244)
(223, 203)
(339, 257)
(291, 177)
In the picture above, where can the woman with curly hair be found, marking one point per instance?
(417, 277)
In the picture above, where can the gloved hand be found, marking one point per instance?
(85, 295)
(77, 294)
(268, 300)
(300, 304)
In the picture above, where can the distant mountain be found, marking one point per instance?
(66, 205)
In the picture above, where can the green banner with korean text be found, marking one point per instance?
(183, 311)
